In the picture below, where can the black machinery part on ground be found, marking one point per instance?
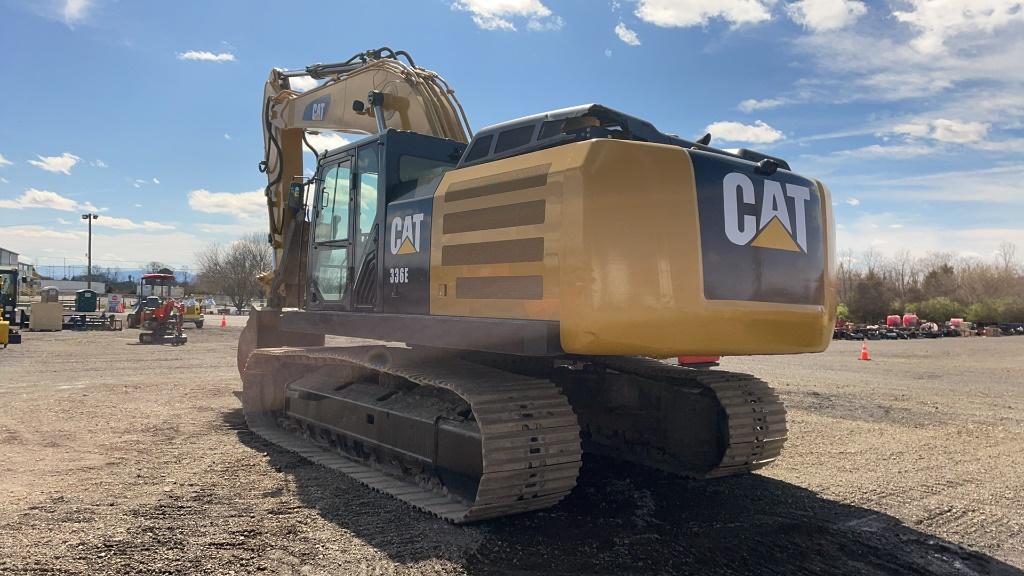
(474, 436)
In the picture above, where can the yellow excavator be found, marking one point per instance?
(517, 287)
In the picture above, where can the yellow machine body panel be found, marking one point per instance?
(193, 312)
(605, 237)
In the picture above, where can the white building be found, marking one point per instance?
(8, 258)
(72, 286)
(25, 270)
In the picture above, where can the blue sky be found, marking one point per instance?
(911, 111)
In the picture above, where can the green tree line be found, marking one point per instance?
(936, 287)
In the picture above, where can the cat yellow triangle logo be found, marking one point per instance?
(407, 247)
(405, 233)
(774, 235)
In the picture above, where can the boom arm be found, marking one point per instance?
(368, 93)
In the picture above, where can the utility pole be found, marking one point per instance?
(88, 278)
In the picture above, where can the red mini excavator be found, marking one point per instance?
(164, 325)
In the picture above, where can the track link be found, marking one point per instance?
(755, 415)
(530, 438)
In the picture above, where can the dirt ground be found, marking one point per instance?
(117, 458)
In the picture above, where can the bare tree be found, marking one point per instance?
(902, 272)
(871, 260)
(155, 266)
(232, 270)
(847, 275)
(1006, 256)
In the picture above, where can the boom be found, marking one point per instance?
(368, 93)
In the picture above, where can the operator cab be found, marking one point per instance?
(156, 285)
(370, 201)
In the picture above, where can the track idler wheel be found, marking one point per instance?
(262, 331)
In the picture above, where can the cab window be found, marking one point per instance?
(332, 220)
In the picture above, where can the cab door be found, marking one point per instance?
(330, 256)
(366, 231)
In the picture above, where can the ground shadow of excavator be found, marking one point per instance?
(624, 519)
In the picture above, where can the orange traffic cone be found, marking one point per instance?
(864, 351)
(223, 321)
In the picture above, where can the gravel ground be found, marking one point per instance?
(117, 458)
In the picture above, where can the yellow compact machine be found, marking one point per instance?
(193, 312)
(535, 272)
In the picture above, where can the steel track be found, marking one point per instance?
(530, 438)
(756, 416)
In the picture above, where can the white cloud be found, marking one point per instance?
(155, 181)
(493, 23)
(5, 161)
(63, 163)
(825, 15)
(303, 83)
(889, 233)
(232, 229)
(996, 185)
(97, 163)
(685, 13)
(608, 52)
(111, 247)
(626, 35)
(326, 140)
(756, 133)
(879, 64)
(244, 205)
(752, 104)
(5, 180)
(939, 21)
(75, 11)
(500, 14)
(959, 132)
(944, 130)
(34, 198)
(552, 24)
(127, 224)
(915, 129)
(40, 232)
(227, 136)
(205, 56)
(889, 151)
(852, 201)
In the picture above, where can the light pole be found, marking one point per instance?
(88, 278)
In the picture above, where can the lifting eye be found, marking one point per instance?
(766, 167)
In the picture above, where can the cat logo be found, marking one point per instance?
(775, 227)
(405, 234)
(316, 110)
